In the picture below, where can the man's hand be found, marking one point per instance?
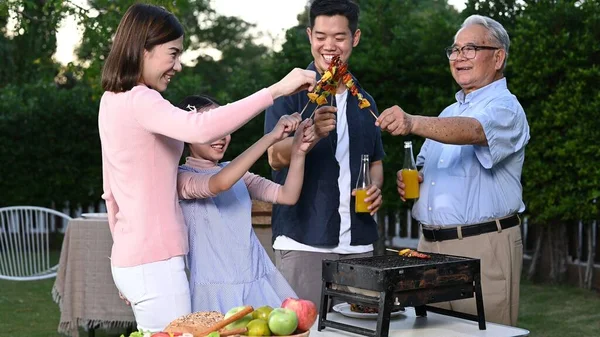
(374, 197)
(395, 121)
(325, 121)
(400, 183)
(285, 126)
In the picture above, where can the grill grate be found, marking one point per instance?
(396, 261)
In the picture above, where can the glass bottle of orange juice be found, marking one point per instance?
(410, 175)
(362, 185)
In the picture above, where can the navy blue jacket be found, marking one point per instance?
(315, 219)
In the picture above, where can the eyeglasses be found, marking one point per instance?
(469, 51)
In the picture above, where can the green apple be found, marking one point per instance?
(283, 322)
(240, 323)
(258, 327)
(262, 312)
(214, 334)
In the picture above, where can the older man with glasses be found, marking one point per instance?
(472, 159)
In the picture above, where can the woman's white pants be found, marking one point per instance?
(159, 292)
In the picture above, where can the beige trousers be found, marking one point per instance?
(304, 270)
(501, 256)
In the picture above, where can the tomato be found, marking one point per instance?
(161, 334)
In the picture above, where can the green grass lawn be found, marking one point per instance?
(559, 311)
(27, 309)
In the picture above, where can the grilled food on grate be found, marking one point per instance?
(365, 309)
(413, 253)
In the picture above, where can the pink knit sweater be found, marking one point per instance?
(191, 185)
(142, 137)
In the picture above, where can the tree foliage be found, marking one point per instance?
(48, 116)
(400, 60)
(556, 66)
(27, 51)
(50, 146)
(53, 114)
(101, 19)
(503, 11)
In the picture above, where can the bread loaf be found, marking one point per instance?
(195, 321)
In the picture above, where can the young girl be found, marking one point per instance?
(142, 138)
(228, 265)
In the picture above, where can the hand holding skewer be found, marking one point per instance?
(325, 121)
(285, 126)
(395, 121)
(295, 81)
(303, 138)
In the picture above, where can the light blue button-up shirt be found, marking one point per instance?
(468, 184)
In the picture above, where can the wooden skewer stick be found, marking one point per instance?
(313, 113)
(234, 332)
(373, 114)
(304, 108)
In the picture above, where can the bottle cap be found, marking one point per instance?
(407, 144)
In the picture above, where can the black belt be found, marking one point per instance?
(443, 234)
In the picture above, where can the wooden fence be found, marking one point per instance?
(401, 231)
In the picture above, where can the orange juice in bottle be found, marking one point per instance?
(361, 206)
(362, 185)
(410, 175)
(411, 182)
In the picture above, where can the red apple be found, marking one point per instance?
(305, 310)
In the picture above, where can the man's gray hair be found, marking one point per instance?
(496, 32)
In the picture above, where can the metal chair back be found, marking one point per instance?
(25, 233)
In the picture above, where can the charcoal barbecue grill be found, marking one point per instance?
(393, 280)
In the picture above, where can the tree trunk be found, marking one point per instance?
(589, 269)
(536, 255)
(551, 255)
(558, 252)
(579, 252)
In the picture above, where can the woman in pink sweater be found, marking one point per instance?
(142, 137)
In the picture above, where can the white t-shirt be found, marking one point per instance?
(342, 154)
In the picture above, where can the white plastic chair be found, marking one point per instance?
(25, 242)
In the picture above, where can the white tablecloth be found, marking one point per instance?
(409, 325)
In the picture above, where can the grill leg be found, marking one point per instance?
(479, 301)
(385, 309)
(324, 308)
(421, 311)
